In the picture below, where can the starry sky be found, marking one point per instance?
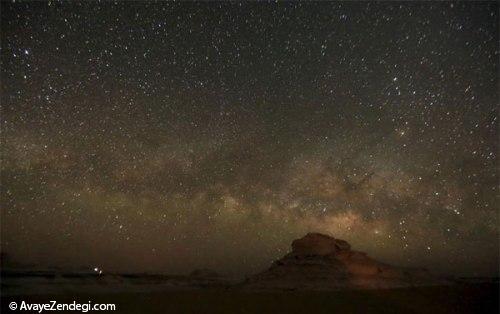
(165, 137)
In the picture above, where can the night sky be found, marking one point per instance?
(165, 137)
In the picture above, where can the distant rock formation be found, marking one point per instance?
(203, 273)
(4, 259)
(321, 262)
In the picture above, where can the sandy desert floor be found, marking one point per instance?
(470, 298)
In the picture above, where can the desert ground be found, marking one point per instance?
(462, 298)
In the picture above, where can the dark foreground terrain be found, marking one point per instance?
(463, 298)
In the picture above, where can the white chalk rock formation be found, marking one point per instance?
(321, 262)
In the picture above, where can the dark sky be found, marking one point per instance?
(171, 136)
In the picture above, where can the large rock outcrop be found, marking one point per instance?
(318, 261)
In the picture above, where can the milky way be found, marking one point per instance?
(166, 137)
